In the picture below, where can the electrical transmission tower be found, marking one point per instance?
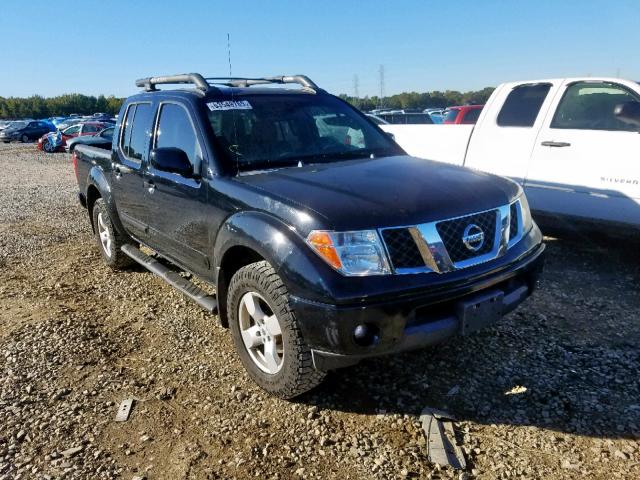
(381, 72)
(356, 90)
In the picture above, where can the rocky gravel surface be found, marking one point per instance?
(551, 392)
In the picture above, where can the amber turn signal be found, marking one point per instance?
(323, 245)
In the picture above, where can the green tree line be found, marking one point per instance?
(434, 99)
(41, 107)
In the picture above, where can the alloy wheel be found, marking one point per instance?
(105, 236)
(261, 332)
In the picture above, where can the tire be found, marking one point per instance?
(48, 147)
(294, 374)
(108, 239)
(24, 138)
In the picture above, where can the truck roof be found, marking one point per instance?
(569, 79)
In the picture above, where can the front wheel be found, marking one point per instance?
(48, 147)
(266, 333)
(25, 138)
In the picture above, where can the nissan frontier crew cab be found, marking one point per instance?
(316, 238)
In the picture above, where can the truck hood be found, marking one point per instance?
(383, 192)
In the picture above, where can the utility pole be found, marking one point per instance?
(381, 72)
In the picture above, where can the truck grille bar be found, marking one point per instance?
(455, 243)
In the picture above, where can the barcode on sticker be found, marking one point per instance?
(230, 105)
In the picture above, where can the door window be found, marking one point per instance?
(176, 130)
(72, 130)
(135, 137)
(523, 104)
(590, 106)
(88, 128)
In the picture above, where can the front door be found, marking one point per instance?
(586, 162)
(179, 224)
(128, 168)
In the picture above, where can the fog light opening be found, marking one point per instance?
(366, 335)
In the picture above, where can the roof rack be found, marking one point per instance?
(205, 84)
(149, 83)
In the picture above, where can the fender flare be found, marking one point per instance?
(301, 270)
(98, 179)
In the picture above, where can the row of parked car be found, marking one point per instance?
(58, 134)
(464, 114)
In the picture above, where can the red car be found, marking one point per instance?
(466, 114)
(77, 130)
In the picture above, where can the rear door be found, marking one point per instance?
(179, 225)
(131, 155)
(586, 162)
(503, 138)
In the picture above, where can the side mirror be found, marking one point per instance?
(393, 137)
(628, 112)
(172, 160)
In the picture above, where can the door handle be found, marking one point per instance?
(550, 143)
(119, 169)
(149, 185)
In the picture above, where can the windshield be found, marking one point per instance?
(272, 131)
(107, 133)
(451, 115)
(17, 125)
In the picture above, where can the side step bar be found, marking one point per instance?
(188, 288)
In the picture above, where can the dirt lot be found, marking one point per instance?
(76, 339)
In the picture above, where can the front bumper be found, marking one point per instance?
(426, 318)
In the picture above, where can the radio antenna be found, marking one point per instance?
(229, 52)
(235, 151)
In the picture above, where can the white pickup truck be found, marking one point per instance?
(560, 139)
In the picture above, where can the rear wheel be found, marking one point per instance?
(24, 138)
(266, 333)
(108, 239)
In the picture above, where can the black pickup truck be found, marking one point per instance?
(317, 239)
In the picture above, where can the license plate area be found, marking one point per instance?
(479, 311)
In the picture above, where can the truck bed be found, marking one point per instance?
(443, 143)
(85, 157)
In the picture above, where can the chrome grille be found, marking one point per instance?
(452, 231)
(513, 221)
(439, 246)
(403, 251)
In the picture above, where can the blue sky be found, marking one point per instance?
(93, 47)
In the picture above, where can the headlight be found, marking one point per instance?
(527, 220)
(351, 253)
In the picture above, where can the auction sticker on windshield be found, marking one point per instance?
(230, 105)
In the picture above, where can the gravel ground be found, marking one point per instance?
(76, 339)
